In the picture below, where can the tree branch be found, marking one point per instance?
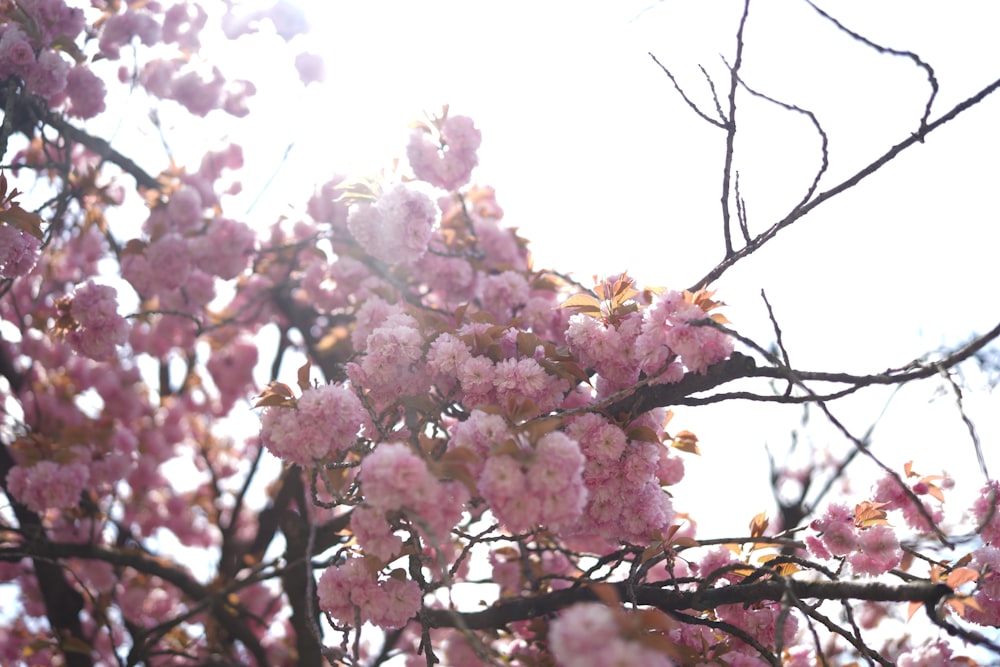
(917, 137)
(653, 595)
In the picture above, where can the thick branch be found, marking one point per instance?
(50, 552)
(96, 145)
(738, 366)
(522, 609)
(62, 602)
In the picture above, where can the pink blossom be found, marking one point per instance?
(169, 261)
(100, 328)
(18, 252)
(197, 93)
(587, 635)
(397, 602)
(665, 332)
(288, 18)
(85, 91)
(557, 465)
(310, 67)
(341, 588)
(396, 228)
(231, 367)
(448, 164)
(394, 477)
(349, 591)
(182, 24)
(225, 249)
(16, 52)
(326, 422)
(369, 317)
(986, 510)
(476, 375)
(504, 293)
(373, 533)
(817, 548)
(934, 653)
(185, 210)
(446, 355)
(670, 469)
(840, 538)
(47, 484)
(480, 433)
(235, 97)
(119, 30)
(878, 551)
(47, 76)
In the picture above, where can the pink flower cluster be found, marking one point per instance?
(871, 551)
(889, 492)
(231, 367)
(666, 334)
(658, 341)
(390, 366)
(198, 92)
(608, 349)
(625, 501)
(136, 22)
(33, 52)
(100, 329)
(986, 560)
(350, 593)
(512, 383)
(447, 162)
(543, 487)
(397, 227)
(185, 255)
(327, 421)
(933, 654)
(18, 252)
(394, 478)
(48, 484)
(588, 634)
(763, 621)
(986, 510)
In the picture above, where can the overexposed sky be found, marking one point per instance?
(603, 167)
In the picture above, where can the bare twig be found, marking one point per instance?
(844, 185)
(931, 78)
(727, 169)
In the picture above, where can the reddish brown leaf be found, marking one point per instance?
(642, 433)
(583, 303)
(303, 376)
(759, 524)
(686, 441)
(27, 222)
(277, 394)
(959, 576)
(868, 514)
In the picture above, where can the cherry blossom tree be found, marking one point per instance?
(457, 457)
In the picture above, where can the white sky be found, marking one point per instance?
(603, 167)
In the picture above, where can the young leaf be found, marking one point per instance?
(277, 394)
(303, 376)
(643, 433)
(686, 441)
(868, 514)
(583, 303)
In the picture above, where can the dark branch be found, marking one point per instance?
(864, 173)
(651, 595)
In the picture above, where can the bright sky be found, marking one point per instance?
(600, 163)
